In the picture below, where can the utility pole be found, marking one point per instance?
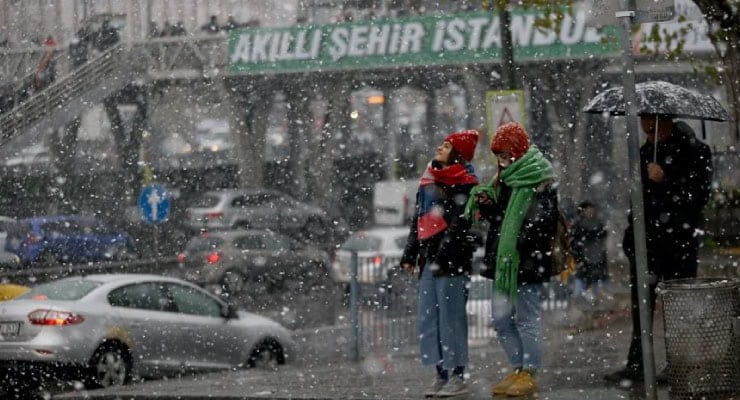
(508, 74)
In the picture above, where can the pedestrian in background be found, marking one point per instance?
(676, 173)
(588, 241)
(45, 73)
(106, 37)
(211, 26)
(438, 244)
(78, 48)
(521, 206)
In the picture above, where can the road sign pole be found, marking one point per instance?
(625, 18)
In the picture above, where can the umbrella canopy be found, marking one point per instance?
(658, 97)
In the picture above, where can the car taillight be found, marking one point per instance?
(54, 318)
(33, 238)
(213, 258)
(181, 258)
(214, 215)
(377, 260)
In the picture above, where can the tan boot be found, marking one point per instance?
(501, 387)
(523, 385)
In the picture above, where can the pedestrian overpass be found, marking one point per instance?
(329, 61)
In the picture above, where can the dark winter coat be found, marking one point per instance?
(451, 249)
(673, 208)
(589, 249)
(534, 241)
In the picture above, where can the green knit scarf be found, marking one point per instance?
(523, 176)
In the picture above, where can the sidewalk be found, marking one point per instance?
(574, 365)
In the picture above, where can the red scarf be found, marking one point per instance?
(431, 221)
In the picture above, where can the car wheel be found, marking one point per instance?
(267, 355)
(233, 282)
(110, 366)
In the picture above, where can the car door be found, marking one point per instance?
(282, 261)
(253, 257)
(212, 340)
(292, 215)
(149, 317)
(264, 213)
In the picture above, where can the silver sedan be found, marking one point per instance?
(105, 329)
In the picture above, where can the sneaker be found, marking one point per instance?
(500, 388)
(455, 387)
(625, 375)
(436, 387)
(523, 385)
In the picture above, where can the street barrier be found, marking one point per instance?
(36, 275)
(383, 304)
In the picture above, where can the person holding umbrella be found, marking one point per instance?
(676, 170)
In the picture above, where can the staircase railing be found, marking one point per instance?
(54, 97)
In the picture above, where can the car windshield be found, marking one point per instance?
(204, 243)
(19, 230)
(66, 289)
(362, 242)
(205, 201)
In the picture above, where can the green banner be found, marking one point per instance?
(412, 41)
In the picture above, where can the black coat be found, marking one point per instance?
(673, 208)
(589, 248)
(451, 249)
(535, 238)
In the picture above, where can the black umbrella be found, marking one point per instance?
(661, 98)
(658, 97)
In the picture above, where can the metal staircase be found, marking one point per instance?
(69, 95)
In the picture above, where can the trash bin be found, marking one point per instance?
(702, 345)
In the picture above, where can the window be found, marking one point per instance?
(400, 241)
(275, 243)
(206, 201)
(191, 301)
(362, 242)
(143, 296)
(248, 242)
(204, 243)
(65, 289)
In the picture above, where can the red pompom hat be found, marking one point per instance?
(510, 138)
(464, 142)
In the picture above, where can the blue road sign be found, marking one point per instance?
(154, 202)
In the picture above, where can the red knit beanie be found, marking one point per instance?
(510, 138)
(464, 143)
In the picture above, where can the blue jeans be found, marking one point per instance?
(519, 326)
(443, 320)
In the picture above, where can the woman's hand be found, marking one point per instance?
(483, 199)
(408, 267)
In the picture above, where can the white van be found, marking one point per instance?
(394, 201)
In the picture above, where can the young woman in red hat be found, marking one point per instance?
(437, 244)
(521, 206)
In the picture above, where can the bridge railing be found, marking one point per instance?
(183, 57)
(60, 92)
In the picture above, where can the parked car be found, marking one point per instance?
(229, 260)
(67, 239)
(379, 249)
(106, 329)
(256, 209)
(8, 260)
